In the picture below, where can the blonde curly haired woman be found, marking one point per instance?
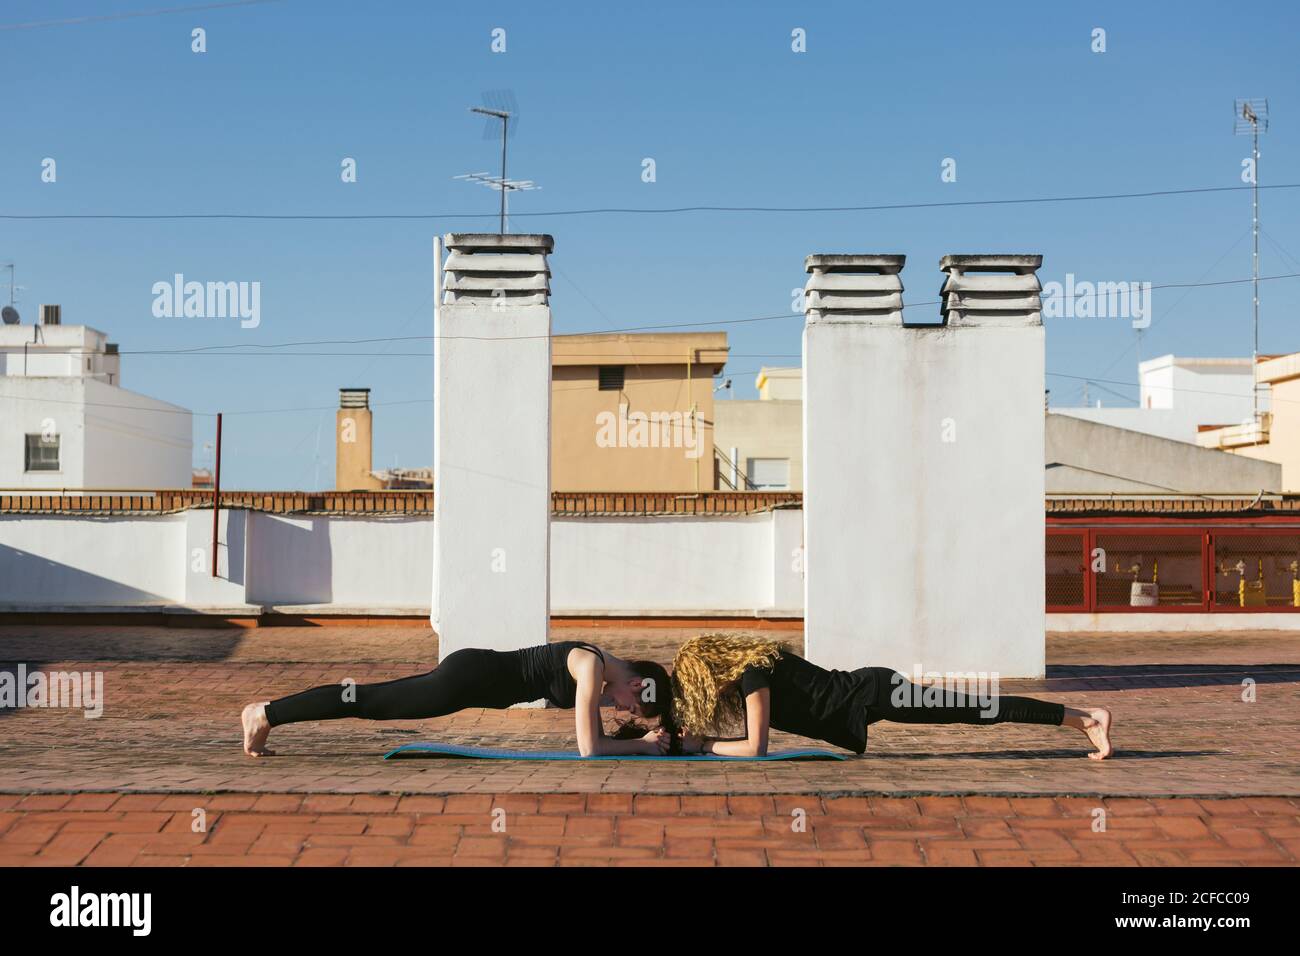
(721, 682)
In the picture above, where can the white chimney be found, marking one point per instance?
(923, 468)
(492, 443)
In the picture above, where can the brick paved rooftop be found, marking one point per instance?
(174, 696)
(1200, 775)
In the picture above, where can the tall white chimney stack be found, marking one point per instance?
(492, 444)
(923, 468)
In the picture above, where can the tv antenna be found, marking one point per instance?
(499, 105)
(505, 186)
(1251, 119)
(13, 273)
(8, 314)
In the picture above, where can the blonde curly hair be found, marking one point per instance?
(706, 664)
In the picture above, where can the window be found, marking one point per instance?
(768, 474)
(42, 453)
(611, 378)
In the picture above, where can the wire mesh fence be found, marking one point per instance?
(1188, 568)
(1150, 570)
(1066, 568)
(1256, 571)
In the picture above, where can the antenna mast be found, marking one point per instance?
(504, 117)
(1252, 119)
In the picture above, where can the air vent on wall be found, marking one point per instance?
(611, 378)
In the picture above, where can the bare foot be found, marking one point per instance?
(1097, 726)
(256, 729)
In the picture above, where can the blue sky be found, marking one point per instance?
(139, 124)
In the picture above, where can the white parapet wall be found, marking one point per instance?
(333, 564)
(347, 563)
(923, 468)
(676, 565)
(352, 564)
(492, 452)
(48, 562)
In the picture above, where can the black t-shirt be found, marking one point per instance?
(545, 671)
(814, 702)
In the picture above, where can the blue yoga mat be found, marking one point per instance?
(490, 753)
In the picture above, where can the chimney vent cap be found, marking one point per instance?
(887, 263)
(475, 242)
(1020, 263)
(354, 398)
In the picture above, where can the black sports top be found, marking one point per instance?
(814, 702)
(546, 671)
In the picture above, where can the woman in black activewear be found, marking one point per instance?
(570, 674)
(721, 681)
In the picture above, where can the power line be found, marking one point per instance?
(1170, 311)
(635, 211)
(560, 388)
(212, 351)
(1166, 388)
(304, 408)
(262, 347)
(1278, 246)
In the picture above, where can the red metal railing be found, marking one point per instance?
(1170, 566)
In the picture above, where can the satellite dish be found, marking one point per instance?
(9, 314)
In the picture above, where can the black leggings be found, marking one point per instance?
(897, 699)
(470, 677)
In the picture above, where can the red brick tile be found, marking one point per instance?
(1191, 828)
(649, 803)
(470, 803)
(738, 856)
(564, 803)
(704, 805)
(277, 803)
(322, 856)
(44, 801)
(940, 806)
(609, 803)
(894, 807)
(494, 847)
(698, 849)
(373, 803)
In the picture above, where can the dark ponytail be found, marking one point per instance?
(660, 705)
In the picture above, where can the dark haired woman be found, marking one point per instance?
(570, 674)
(719, 682)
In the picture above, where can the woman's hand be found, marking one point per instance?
(691, 744)
(656, 742)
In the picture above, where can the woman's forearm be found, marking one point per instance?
(736, 747)
(610, 747)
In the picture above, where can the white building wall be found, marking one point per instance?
(61, 378)
(133, 441)
(27, 406)
(1177, 395)
(54, 561)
